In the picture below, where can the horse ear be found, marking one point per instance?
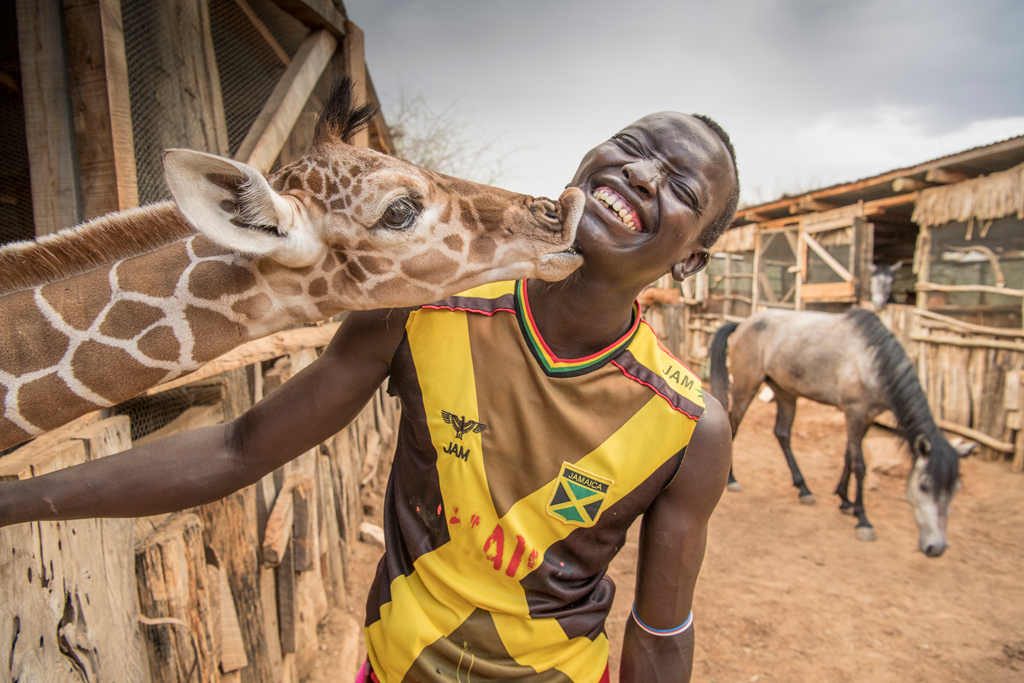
(874, 268)
(896, 266)
(922, 446)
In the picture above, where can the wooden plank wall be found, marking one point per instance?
(208, 605)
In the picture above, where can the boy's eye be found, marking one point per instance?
(629, 144)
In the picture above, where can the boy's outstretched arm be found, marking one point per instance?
(673, 536)
(203, 465)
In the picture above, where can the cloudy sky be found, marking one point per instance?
(813, 92)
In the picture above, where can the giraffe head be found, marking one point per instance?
(385, 232)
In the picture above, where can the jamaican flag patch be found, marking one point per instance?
(578, 496)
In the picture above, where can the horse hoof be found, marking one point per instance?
(734, 486)
(846, 509)
(866, 533)
(808, 499)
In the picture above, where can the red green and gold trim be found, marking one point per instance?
(554, 366)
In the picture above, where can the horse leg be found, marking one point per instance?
(744, 389)
(785, 403)
(856, 427)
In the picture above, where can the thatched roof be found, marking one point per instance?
(984, 198)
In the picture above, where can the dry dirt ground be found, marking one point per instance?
(787, 593)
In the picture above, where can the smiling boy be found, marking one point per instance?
(539, 420)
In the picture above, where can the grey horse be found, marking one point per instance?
(851, 361)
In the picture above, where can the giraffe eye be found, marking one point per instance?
(399, 215)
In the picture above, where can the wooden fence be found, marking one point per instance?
(230, 591)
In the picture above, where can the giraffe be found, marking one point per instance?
(96, 314)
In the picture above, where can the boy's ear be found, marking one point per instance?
(691, 266)
(234, 205)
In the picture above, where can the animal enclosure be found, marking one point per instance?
(92, 92)
(952, 232)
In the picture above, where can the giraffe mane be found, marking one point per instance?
(340, 119)
(98, 242)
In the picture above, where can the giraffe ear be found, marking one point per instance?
(234, 205)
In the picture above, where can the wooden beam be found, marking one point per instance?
(828, 258)
(101, 104)
(303, 540)
(909, 185)
(355, 67)
(969, 327)
(279, 344)
(270, 130)
(810, 205)
(49, 124)
(946, 176)
(886, 419)
(933, 287)
(968, 342)
(279, 527)
(385, 143)
(316, 14)
(262, 29)
(827, 291)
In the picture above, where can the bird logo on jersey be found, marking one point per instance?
(578, 497)
(461, 425)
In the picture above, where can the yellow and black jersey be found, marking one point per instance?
(516, 477)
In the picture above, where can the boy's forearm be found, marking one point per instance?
(654, 659)
(179, 472)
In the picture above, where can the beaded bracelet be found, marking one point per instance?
(663, 632)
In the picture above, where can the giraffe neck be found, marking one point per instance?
(105, 334)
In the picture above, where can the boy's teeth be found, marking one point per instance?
(617, 206)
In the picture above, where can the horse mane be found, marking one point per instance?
(906, 399)
(101, 241)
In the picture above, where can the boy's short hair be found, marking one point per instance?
(716, 227)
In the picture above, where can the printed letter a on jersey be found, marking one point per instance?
(578, 496)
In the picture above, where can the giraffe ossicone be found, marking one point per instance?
(96, 314)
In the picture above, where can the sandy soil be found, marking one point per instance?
(788, 594)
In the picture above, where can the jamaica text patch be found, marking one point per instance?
(578, 497)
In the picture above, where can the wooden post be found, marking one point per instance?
(70, 602)
(355, 67)
(727, 290)
(49, 125)
(174, 602)
(269, 132)
(102, 110)
(923, 263)
(755, 285)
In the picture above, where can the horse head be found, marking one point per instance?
(882, 278)
(934, 480)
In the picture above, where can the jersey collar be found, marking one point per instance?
(554, 366)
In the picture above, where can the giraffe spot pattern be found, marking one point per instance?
(210, 280)
(81, 302)
(127, 318)
(253, 307)
(160, 344)
(481, 249)
(136, 274)
(33, 344)
(318, 287)
(203, 247)
(315, 181)
(432, 267)
(220, 333)
(91, 365)
(44, 401)
(454, 242)
(374, 264)
(329, 263)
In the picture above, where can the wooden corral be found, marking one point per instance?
(92, 92)
(957, 226)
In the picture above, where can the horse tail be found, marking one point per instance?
(719, 352)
